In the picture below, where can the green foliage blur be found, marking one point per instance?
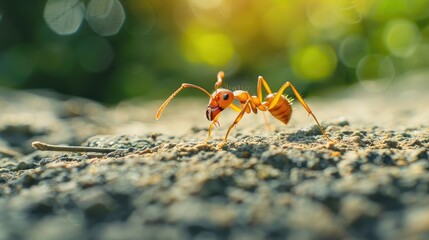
(111, 50)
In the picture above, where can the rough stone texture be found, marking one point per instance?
(163, 183)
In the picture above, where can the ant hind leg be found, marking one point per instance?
(303, 103)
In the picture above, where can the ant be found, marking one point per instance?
(276, 103)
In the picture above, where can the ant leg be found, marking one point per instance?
(184, 85)
(237, 119)
(269, 126)
(301, 100)
(235, 107)
(214, 121)
(262, 82)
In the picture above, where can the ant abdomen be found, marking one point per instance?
(282, 110)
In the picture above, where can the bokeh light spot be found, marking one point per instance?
(321, 16)
(352, 50)
(350, 11)
(64, 16)
(214, 49)
(375, 72)
(105, 17)
(401, 37)
(314, 62)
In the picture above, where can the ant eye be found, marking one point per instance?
(225, 96)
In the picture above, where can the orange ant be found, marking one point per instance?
(276, 103)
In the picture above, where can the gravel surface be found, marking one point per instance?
(163, 183)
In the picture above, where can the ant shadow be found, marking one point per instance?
(249, 146)
(302, 137)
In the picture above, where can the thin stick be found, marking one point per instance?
(50, 147)
(9, 152)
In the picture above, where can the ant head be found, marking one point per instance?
(221, 99)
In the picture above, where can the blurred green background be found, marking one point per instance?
(111, 50)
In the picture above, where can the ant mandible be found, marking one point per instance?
(276, 103)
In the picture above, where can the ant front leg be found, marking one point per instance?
(237, 119)
(214, 122)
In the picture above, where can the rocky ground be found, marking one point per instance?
(163, 183)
